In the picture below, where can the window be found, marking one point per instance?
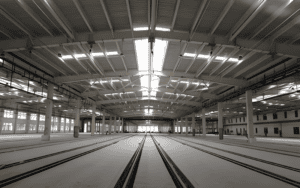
(296, 130)
(7, 127)
(285, 114)
(72, 121)
(240, 119)
(62, 120)
(8, 113)
(21, 115)
(256, 130)
(296, 113)
(257, 117)
(275, 130)
(42, 118)
(32, 127)
(264, 117)
(33, 116)
(21, 127)
(41, 127)
(236, 120)
(274, 116)
(67, 120)
(244, 119)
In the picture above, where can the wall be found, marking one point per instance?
(282, 123)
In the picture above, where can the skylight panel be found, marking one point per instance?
(97, 54)
(140, 29)
(67, 57)
(234, 60)
(162, 29)
(189, 55)
(220, 58)
(159, 51)
(142, 52)
(79, 55)
(112, 53)
(202, 56)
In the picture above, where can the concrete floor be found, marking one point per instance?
(102, 168)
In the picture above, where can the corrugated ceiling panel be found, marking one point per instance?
(212, 12)
(165, 13)
(183, 65)
(139, 13)
(95, 14)
(117, 63)
(233, 15)
(71, 13)
(171, 56)
(130, 61)
(186, 14)
(118, 14)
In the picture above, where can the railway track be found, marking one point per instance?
(24, 175)
(250, 167)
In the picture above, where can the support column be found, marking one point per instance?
(59, 124)
(37, 122)
(115, 121)
(1, 119)
(203, 122)
(77, 119)
(110, 124)
(249, 108)
(186, 126)
(27, 123)
(49, 105)
(93, 126)
(193, 124)
(181, 123)
(65, 124)
(15, 121)
(220, 120)
(103, 124)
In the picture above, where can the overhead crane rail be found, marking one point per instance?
(250, 167)
(22, 176)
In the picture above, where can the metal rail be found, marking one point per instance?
(179, 179)
(250, 167)
(5, 166)
(19, 177)
(128, 175)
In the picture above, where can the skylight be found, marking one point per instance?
(97, 54)
(162, 29)
(203, 56)
(140, 29)
(67, 57)
(112, 53)
(79, 55)
(159, 51)
(189, 55)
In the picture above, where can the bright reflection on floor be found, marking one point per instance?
(147, 128)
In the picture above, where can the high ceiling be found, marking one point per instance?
(148, 58)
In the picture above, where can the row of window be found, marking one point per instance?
(22, 115)
(276, 130)
(275, 116)
(21, 127)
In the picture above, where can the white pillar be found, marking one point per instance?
(115, 121)
(193, 124)
(15, 121)
(249, 108)
(27, 123)
(103, 129)
(93, 126)
(1, 119)
(220, 120)
(110, 124)
(59, 124)
(181, 123)
(186, 126)
(77, 119)
(37, 122)
(65, 124)
(203, 122)
(49, 105)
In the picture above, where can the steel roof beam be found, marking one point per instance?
(83, 15)
(175, 14)
(246, 18)
(59, 17)
(107, 16)
(293, 22)
(221, 16)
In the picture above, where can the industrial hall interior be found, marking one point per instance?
(149, 93)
